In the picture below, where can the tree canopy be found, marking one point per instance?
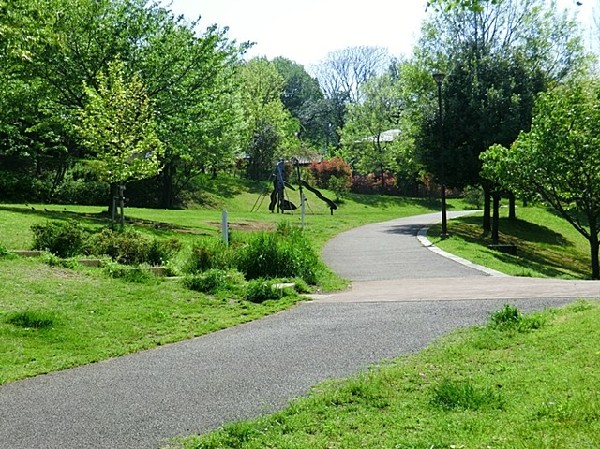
(558, 158)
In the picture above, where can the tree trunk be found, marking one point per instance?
(594, 246)
(168, 173)
(112, 203)
(487, 224)
(496, 219)
(512, 206)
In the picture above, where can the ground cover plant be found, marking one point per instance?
(508, 384)
(547, 246)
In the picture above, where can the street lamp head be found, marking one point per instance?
(439, 77)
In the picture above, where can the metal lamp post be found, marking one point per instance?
(439, 79)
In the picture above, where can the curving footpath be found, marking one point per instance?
(403, 296)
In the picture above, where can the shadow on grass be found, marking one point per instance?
(61, 215)
(521, 230)
(385, 202)
(155, 228)
(540, 249)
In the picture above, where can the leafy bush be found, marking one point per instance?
(322, 172)
(131, 248)
(63, 239)
(207, 254)
(214, 280)
(260, 290)
(339, 186)
(22, 187)
(284, 254)
(473, 195)
(3, 250)
(372, 184)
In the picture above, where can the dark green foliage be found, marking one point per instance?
(511, 318)
(284, 254)
(63, 239)
(450, 395)
(32, 319)
(213, 280)
(474, 196)
(131, 247)
(207, 254)
(3, 250)
(260, 290)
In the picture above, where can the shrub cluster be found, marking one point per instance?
(371, 184)
(322, 172)
(261, 290)
(214, 280)
(68, 239)
(131, 247)
(61, 239)
(510, 318)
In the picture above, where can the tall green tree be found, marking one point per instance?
(271, 130)
(117, 124)
(559, 159)
(188, 73)
(302, 96)
(497, 57)
(366, 135)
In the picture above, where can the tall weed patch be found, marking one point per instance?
(284, 254)
(207, 254)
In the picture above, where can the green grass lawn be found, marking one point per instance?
(84, 316)
(530, 384)
(548, 246)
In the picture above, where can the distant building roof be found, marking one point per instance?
(386, 136)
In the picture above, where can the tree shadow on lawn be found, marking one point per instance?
(521, 230)
(100, 219)
(552, 260)
(385, 201)
(88, 218)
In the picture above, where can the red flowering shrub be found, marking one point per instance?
(322, 172)
(371, 184)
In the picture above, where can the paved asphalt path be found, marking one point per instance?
(142, 400)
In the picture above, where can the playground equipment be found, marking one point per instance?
(280, 203)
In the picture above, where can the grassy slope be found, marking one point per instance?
(548, 246)
(479, 388)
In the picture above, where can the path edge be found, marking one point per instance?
(422, 237)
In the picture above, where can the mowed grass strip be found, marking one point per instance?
(547, 245)
(54, 318)
(526, 383)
